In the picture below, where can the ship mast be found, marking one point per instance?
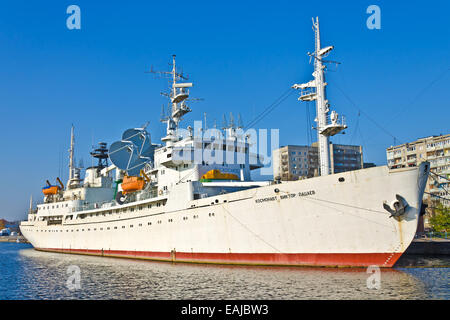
(74, 172)
(31, 204)
(328, 124)
(71, 153)
(178, 96)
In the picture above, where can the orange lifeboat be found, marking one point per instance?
(132, 184)
(50, 190)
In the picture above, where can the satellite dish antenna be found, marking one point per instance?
(133, 152)
(140, 137)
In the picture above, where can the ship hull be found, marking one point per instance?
(334, 221)
(257, 259)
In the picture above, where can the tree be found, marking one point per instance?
(440, 221)
(2, 224)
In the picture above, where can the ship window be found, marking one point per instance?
(149, 223)
(140, 224)
(107, 228)
(131, 226)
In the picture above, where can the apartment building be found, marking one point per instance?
(436, 150)
(295, 162)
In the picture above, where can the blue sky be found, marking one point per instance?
(241, 55)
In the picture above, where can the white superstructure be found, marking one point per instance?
(192, 200)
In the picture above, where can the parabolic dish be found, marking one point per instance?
(124, 155)
(141, 140)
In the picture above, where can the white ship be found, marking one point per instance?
(174, 202)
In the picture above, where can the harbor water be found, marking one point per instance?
(30, 274)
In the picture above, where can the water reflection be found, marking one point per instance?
(42, 275)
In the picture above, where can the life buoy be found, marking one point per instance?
(120, 198)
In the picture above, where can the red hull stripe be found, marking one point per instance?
(269, 259)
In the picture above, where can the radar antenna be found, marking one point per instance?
(101, 153)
